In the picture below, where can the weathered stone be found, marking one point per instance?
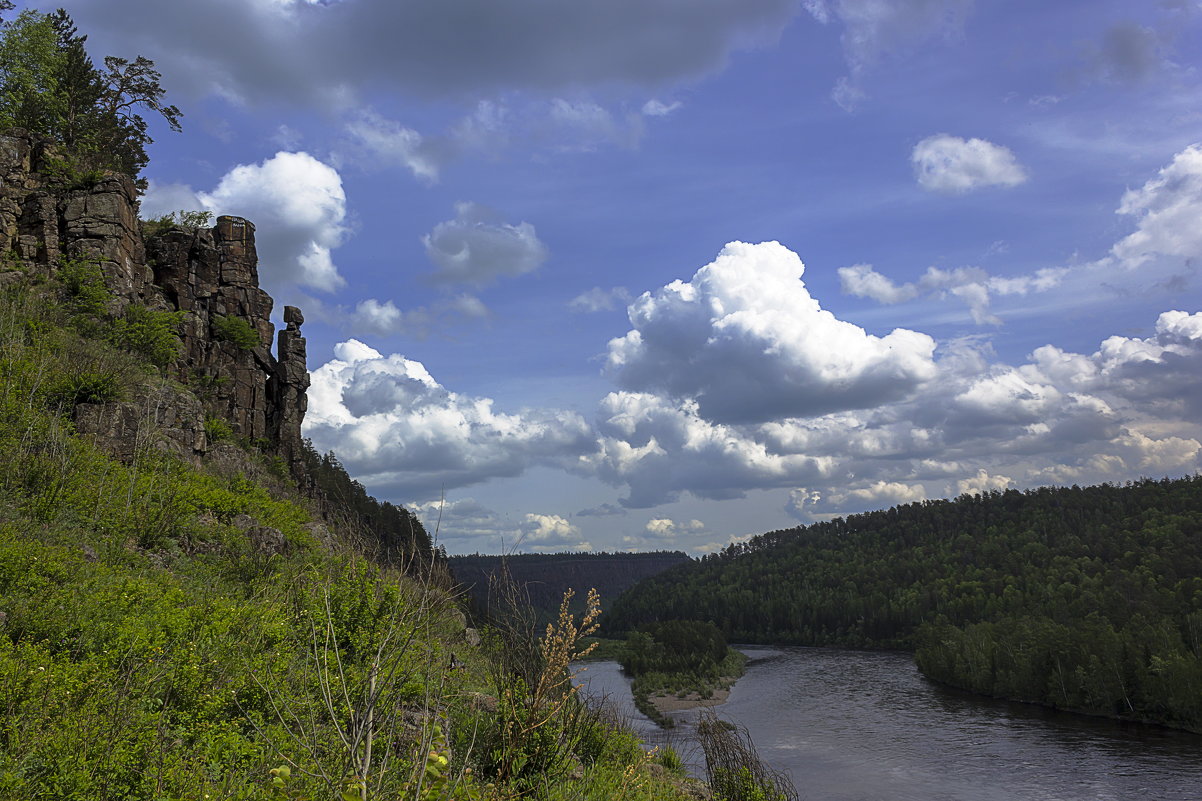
(207, 273)
(165, 417)
(320, 533)
(266, 540)
(37, 229)
(114, 426)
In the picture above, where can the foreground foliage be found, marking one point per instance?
(152, 648)
(1085, 598)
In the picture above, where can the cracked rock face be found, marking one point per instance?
(209, 274)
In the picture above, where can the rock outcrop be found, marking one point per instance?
(210, 274)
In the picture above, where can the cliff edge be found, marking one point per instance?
(50, 218)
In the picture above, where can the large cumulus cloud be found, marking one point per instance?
(406, 436)
(937, 423)
(296, 50)
(659, 448)
(1167, 209)
(747, 342)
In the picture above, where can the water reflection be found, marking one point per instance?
(854, 726)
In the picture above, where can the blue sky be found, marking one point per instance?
(551, 254)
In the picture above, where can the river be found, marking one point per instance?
(863, 726)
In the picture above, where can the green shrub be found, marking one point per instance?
(670, 760)
(187, 220)
(150, 334)
(92, 386)
(83, 281)
(217, 429)
(236, 331)
(73, 171)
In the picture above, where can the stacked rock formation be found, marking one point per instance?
(209, 274)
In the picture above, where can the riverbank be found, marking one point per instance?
(666, 703)
(659, 695)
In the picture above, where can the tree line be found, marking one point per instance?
(50, 86)
(1086, 598)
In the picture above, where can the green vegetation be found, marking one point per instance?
(733, 767)
(544, 578)
(50, 87)
(1084, 598)
(392, 534)
(237, 331)
(152, 335)
(603, 649)
(175, 632)
(182, 219)
(678, 657)
(217, 429)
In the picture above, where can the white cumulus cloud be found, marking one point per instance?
(747, 342)
(551, 533)
(1133, 407)
(982, 482)
(404, 434)
(972, 286)
(659, 448)
(863, 281)
(951, 165)
(1167, 209)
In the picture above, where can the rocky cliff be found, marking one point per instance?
(49, 217)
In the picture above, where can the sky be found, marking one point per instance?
(656, 274)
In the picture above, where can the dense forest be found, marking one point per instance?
(50, 87)
(392, 533)
(544, 578)
(677, 657)
(1084, 598)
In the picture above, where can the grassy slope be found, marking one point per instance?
(148, 650)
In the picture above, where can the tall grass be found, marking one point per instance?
(149, 650)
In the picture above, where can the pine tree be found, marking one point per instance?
(50, 86)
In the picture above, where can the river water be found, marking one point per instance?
(857, 726)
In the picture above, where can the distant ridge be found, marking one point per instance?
(545, 577)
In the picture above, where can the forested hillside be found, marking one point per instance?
(544, 578)
(1086, 598)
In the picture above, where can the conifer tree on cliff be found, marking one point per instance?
(50, 86)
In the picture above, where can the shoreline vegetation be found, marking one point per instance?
(679, 665)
